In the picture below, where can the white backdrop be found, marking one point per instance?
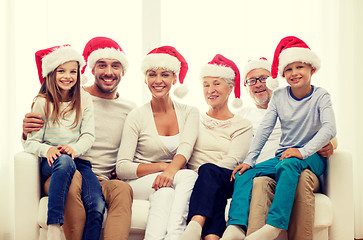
(238, 29)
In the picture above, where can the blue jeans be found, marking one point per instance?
(62, 173)
(93, 200)
(286, 173)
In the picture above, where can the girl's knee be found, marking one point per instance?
(64, 163)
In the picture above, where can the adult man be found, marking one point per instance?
(255, 74)
(108, 63)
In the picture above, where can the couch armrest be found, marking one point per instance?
(27, 195)
(340, 191)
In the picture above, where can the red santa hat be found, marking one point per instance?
(103, 47)
(263, 63)
(49, 59)
(225, 68)
(292, 49)
(166, 57)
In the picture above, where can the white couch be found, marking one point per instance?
(334, 213)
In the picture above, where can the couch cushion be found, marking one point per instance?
(323, 211)
(140, 209)
(42, 212)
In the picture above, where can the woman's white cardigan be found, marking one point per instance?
(141, 142)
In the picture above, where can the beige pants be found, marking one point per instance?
(118, 197)
(302, 216)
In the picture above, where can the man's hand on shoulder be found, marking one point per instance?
(32, 122)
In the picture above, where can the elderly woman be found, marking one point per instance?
(158, 141)
(223, 142)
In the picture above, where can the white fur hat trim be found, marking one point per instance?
(59, 56)
(214, 70)
(160, 60)
(255, 64)
(295, 54)
(107, 53)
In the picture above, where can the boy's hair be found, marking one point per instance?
(50, 91)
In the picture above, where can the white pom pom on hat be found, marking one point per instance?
(84, 79)
(181, 91)
(272, 83)
(237, 103)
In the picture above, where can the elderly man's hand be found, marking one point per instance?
(327, 150)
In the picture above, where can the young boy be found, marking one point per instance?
(307, 124)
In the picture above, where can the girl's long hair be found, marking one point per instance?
(50, 91)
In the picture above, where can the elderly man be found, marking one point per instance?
(108, 64)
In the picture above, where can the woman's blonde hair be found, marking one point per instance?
(50, 91)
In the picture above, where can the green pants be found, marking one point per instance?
(286, 173)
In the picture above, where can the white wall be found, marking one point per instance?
(7, 113)
(240, 30)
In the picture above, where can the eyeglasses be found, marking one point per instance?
(253, 81)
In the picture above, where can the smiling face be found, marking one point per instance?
(259, 93)
(216, 91)
(298, 76)
(66, 77)
(159, 82)
(108, 73)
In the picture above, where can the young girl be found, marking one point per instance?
(68, 130)
(307, 124)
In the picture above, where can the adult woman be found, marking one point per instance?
(222, 144)
(159, 139)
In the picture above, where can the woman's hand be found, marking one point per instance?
(52, 154)
(165, 179)
(241, 168)
(67, 150)
(291, 152)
